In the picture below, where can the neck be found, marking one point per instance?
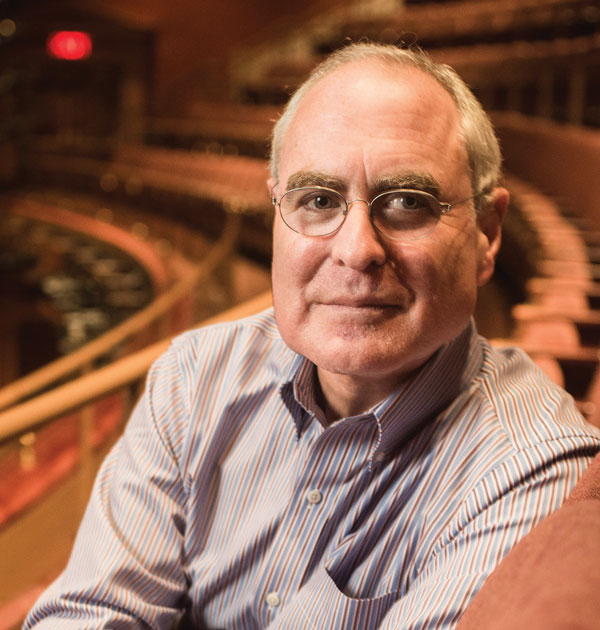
(344, 395)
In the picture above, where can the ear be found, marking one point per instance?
(270, 184)
(490, 233)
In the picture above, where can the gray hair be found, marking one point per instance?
(481, 144)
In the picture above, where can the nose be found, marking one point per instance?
(356, 244)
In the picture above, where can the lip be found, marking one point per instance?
(366, 303)
(363, 312)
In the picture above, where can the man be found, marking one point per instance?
(362, 459)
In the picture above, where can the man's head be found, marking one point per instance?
(477, 132)
(364, 307)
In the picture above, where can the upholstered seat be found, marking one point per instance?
(551, 579)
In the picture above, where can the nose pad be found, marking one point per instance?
(356, 201)
(349, 203)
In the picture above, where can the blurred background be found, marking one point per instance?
(133, 145)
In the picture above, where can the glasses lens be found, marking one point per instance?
(312, 211)
(405, 214)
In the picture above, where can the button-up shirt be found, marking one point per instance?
(230, 503)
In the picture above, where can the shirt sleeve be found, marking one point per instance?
(490, 524)
(127, 567)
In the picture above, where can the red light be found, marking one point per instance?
(71, 45)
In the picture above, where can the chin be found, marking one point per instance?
(361, 356)
(370, 368)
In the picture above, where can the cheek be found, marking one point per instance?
(461, 277)
(446, 273)
(286, 263)
(294, 263)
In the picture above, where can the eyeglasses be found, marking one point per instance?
(401, 215)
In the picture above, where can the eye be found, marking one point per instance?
(319, 200)
(404, 211)
(312, 211)
(406, 200)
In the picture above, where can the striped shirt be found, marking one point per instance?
(228, 504)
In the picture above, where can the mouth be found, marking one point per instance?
(366, 304)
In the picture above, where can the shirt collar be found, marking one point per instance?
(430, 390)
(423, 396)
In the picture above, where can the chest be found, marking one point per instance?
(277, 515)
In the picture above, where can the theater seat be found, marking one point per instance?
(551, 579)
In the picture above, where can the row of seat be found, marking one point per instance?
(197, 189)
(556, 79)
(557, 322)
(239, 181)
(559, 316)
(461, 22)
(541, 57)
(222, 128)
(473, 59)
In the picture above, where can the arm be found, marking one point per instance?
(126, 566)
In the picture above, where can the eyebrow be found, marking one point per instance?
(315, 178)
(405, 179)
(408, 179)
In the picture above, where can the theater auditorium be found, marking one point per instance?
(134, 141)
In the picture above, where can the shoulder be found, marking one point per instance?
(526, 406)
(515, 428)
(259, 330)
(519, 447)
(221, 346)
(204, 369)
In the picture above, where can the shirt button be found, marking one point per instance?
(272, 599)
(314, 497)
(379, 457)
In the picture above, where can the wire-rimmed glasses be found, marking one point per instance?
(401, 214)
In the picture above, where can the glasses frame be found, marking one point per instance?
(444, 208)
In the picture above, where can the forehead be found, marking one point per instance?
(378, 118)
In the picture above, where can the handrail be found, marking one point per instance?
(30, 415)
(79, 359)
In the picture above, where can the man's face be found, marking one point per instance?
(356, 302)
